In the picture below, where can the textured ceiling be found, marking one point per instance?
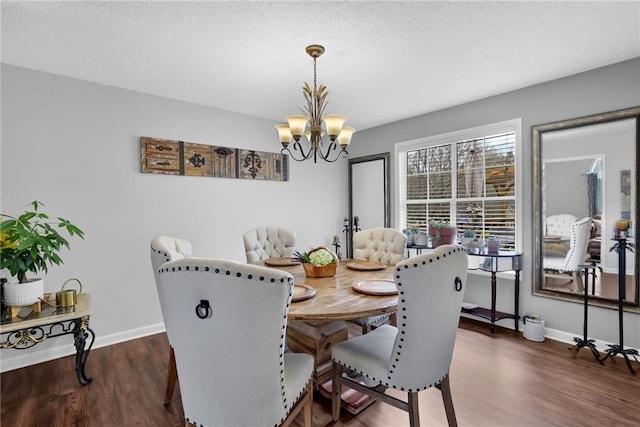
(384, 61)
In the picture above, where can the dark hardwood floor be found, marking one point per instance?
(496, 380)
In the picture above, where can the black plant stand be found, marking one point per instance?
(621, 246)
(585, 341)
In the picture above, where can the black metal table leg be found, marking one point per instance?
(516, 303)
(80, 335)
(493, 301)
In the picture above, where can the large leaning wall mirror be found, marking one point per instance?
(585, 179)
(368, 194)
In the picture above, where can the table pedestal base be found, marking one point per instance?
(317, 340)
(352, 400)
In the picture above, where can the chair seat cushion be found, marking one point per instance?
(369, 353)
(298, 368)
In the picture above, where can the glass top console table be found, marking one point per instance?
(20, 334)
(495, 262)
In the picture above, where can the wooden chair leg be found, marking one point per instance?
(336, 391)
(172, 377)
(308, 409)
(445, 388)
(414, 413)
(366, 329)
(393, 320)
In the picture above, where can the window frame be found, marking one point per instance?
(507, 126)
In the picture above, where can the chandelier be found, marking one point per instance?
(314, 116)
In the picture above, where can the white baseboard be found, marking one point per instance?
(549, 333)
(32, 357)
(11, 359)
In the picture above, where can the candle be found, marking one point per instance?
(622, 224)
(336, 239)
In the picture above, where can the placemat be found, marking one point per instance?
(302, 292)
(281, 262)
(366, 265)
(376, 287)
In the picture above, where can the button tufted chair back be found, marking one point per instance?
(417, 354)
(384, 245)
(577, 254)
(231, 361)
(559, 225)
(167, 248)
(164, 249)
(268, 242)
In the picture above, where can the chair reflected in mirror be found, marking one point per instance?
(564, 269)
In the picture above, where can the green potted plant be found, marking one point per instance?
(318, 262)
(442, 233)
(31, 243)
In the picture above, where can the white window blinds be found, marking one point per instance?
(469, 182)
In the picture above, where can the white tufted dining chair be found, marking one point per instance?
(417, 354)
(164, 249)
(268, 242)
(228, 325)
(384, 245)
(559, 225)
(580, 232)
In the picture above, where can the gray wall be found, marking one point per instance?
(74, 146)
(605, 89)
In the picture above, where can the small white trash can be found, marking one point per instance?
(533, 327)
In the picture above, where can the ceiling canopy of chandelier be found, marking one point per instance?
(314, 116)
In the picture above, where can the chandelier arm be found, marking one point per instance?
(292, 155)
(298, 146)
(330, 147)
(326, 159)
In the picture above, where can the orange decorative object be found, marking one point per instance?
(328, 270)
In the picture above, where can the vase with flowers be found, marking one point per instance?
(318, 262)
(31, 242)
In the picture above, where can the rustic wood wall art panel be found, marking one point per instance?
(165, 156)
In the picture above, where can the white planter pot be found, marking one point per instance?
(20, 294)
(421, 239)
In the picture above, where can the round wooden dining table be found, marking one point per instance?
(335, 298)
(317, 323)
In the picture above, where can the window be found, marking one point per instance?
(468, 178)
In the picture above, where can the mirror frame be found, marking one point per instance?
(537, 132)
(387, 191)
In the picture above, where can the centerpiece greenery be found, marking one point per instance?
(31, 243)
(318, 262)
